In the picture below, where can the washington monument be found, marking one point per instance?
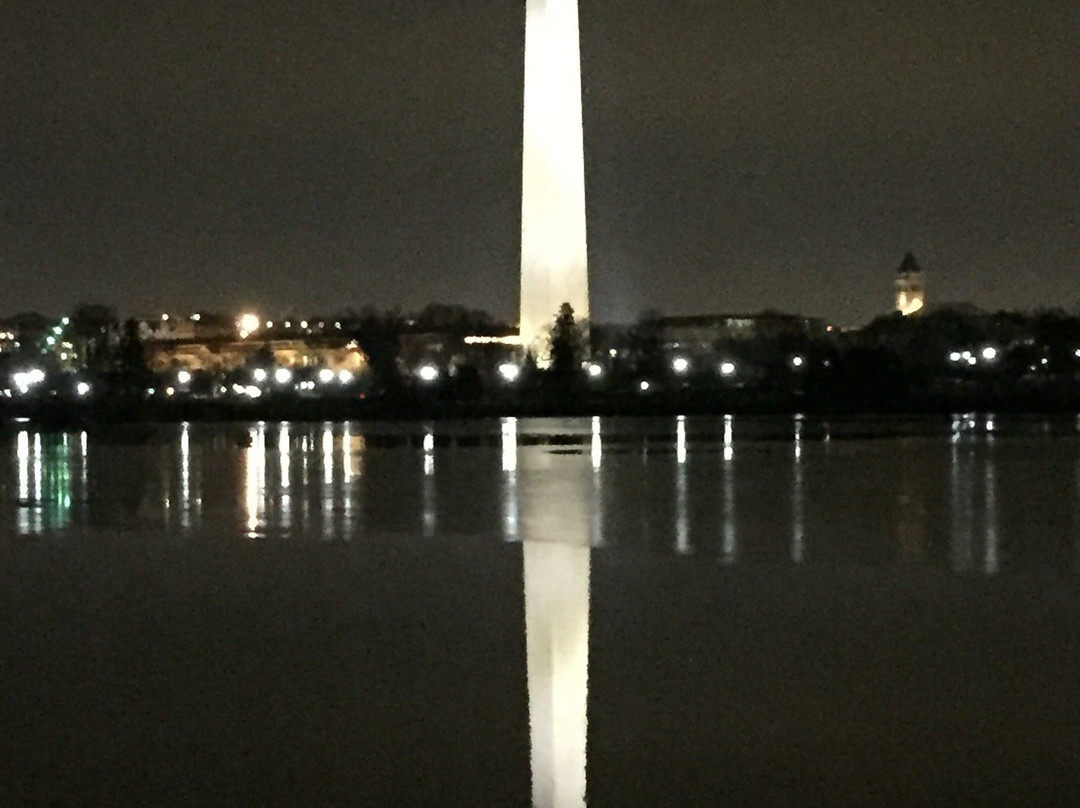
(553, 253)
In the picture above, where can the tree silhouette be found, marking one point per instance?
(567, 343)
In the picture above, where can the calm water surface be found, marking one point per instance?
(750, 611)
(964, 494)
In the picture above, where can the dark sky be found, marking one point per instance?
(740, 155)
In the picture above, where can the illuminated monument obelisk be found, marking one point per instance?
(553, 253)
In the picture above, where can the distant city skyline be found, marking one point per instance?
(305, 157)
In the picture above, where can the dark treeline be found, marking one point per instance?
(420, 365)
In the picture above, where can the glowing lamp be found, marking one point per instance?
(248, 324)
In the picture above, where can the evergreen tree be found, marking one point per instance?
(567, 343)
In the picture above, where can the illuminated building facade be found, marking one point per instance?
(910, 287)
(220, 356)
(553, 247)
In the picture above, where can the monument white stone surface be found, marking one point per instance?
(554, 267)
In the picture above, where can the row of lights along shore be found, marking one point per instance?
(680, 365)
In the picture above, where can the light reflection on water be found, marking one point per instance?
(729, 491)
(798, 505)
(729, 547)
(735, 490)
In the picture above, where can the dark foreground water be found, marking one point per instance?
(763, 612)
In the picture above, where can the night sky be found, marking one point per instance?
(740, 155)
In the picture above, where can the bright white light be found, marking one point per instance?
(326, 376)
(170, 391)
(727, 368)
(428, 373)
(259, 375)
(248, 324)
(282, 375)
(644, 386)
(680, 364)
(955, 356)
(989, 353)
(971, 360)
(595, 370)
(509, 371)
(1076, 353)
(344, 376)
(303, 323)
(797, 361)
(251, 391)
(183, 376)
(82, 389)
(23, 381)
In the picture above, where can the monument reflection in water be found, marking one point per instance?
(549, 497)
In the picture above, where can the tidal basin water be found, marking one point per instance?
(719, 611)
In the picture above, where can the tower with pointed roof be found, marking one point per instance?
(910, 287)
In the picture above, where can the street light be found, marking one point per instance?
(428, 373)
(248, 324)
(595, 371)
(727, 368)
(326, 376)
(989, 353)
(259, 374)
(183, 376)
(797, 361)
(509, 371)
(680, 364)
(282, 375)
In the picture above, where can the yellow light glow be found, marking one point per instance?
(248, 324)
(511, 340)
